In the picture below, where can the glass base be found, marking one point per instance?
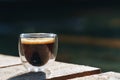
(44, 69)
(38, 69)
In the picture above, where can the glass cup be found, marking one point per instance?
(36, 50)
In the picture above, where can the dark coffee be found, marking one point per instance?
(38, 51)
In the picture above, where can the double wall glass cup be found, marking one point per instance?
(37, 50)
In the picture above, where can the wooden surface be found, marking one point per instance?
(8, 61)
(11, 69)
(102, 76)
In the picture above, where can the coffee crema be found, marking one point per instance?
(37, 40)
(38, 51)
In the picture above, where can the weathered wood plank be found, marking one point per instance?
(62, 71)
(6, 60)
(59, 70)
(103, 76)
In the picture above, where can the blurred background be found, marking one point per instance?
(88, 31)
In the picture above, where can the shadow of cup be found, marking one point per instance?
(30, 76)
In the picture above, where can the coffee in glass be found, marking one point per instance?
(37, 50)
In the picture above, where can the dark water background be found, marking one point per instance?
(99, 19)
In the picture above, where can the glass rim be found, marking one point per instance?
(48, 34)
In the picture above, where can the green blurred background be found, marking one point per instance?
(88, 31)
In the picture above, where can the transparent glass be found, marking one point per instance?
(36, 50)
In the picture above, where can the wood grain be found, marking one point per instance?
(103, 76)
